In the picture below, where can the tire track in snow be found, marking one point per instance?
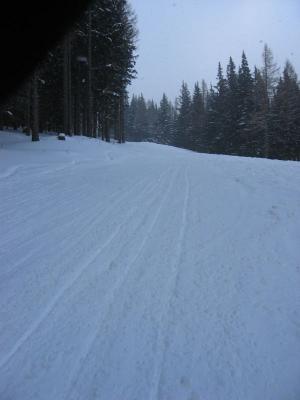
(108, 300)
(170, 287)
(59, 295)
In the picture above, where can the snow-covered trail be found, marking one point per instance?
(147, 272)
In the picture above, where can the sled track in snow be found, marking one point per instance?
(170, 287)
(51, 201)
(197, 302)
(90, 221)
(108, 300)
(24, 198)
(50, 197)
(69, 283)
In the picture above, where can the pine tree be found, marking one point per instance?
(164, 120)
(197, 118)
(232, 108)
(260, 116)
(141, 121)
(204, 91)
(269, 73)
(35, 109)
(285, 122)
(245, 106)
(67, 85)
(130, 118)
(183, 128)
(217, 115)
(152, 117)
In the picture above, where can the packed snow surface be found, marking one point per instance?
(142, 271)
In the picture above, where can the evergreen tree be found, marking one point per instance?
(285, 142)
(164, 120)
(204, 91)
(35, 108)
(245, 106)
(232, 105)
(141, 120)
(130, 118)
(260, 116)
(183, 128)
(269, 71)
(217, 114)
(152, 117)
(197, 118)
(171, 140)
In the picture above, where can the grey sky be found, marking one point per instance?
(185, 39)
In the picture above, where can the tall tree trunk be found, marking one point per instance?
(67, 85)
(267, 144)
(66, 82)
(28, 111)
(103, 127)
(76, 113)
(95, 125)
(121, 118)
(35, 109)
(90, 89)
(70, 113)
(77, 108)
(106, 131)
(116, 126)
(85, 121)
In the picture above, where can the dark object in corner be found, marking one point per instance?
(28, 30)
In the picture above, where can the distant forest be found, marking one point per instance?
(247, 113)
(81, 89)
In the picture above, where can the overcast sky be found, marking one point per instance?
(185, 39)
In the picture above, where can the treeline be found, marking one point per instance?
(81, 87)
(247, 113)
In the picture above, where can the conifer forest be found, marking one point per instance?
(247, 113)
(82, 89)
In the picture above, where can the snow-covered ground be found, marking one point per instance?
(147, 272)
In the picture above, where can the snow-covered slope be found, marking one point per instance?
(147, 272)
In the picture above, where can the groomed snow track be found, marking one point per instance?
(147, 272)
